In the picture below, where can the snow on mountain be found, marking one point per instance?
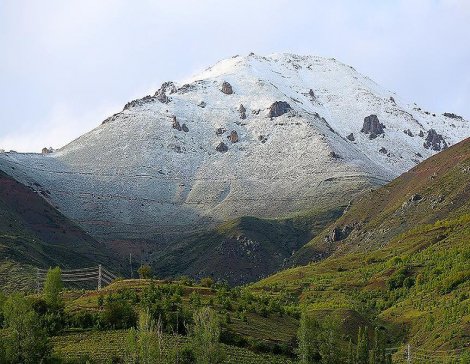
(258, 136)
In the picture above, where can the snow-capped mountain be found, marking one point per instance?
(252, 135)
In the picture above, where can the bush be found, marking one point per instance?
(118, 315)
(207, 282)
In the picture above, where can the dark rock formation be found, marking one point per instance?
(334, 155)
(184, 128)
(139, 102)
(312, 95)
(452, 116)
(419, 155)
(111, 118)
(186, 88)
(421, 134)
(161, 94)
(226, 88)
(278, 108)
(176, 125)
(408, 132)
(351, 137)
(222, 147)
(372, 126)
(242, 111)
(220, 131)
(46, 150)
(434, 141)
(392, 99)
(202, 104)
(262, 138)
(233, 137)
(338, 233)
(383, 150)
(415, 197)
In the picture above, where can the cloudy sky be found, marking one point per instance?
(67, 65)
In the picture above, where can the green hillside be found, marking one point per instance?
(436, 189)
(404, 265)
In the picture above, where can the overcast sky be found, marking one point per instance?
(67, 65)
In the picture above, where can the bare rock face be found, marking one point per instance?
(262, 138)
(46, 150)
(222, 147)
(242, 111)
(176, 125)
(184, 128)
(161, 94)
(392, 99)
(421, 134)
(408, 132)
(372, 126)
(226, 88)
(351, 137)
(233, 137)
(383, 150)
(434, 141)
(278, 108)
(202, 104)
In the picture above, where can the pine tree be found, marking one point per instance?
(309, 346)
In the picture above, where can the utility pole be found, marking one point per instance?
(408, 354)
(99, 277)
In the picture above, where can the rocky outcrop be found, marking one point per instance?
(222, 147)
(383, 150)
(434, 141)
(220, 131)
(161, 94)
(46, 150)
(279, 108)
(202, 104)
(372, 126)
(184, 128)
(233, 137)
(392, 99)
(226, 88)
(339, 233)
(176, 125)
(139, 102)
(262, 138)
(452, 115)
(351, 137)
(242, 111)
(421, 134)
(408, 132)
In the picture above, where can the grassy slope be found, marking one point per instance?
(242, 250)
(104, 345)
(442, 181)
(34, 234)
(427, 240)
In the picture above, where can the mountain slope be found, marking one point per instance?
(251, 136)
(404, 267)
(242, 250)
(34, 234)
(436, 189)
